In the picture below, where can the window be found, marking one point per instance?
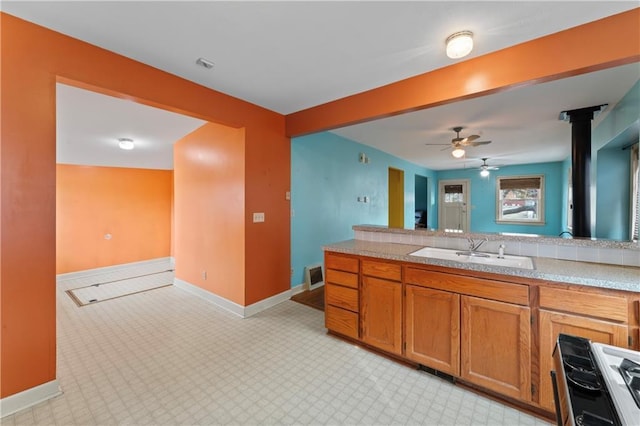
(453, 194)
(635, 193)
(520, 199)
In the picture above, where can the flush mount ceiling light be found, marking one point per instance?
(126, 143)
(459, 44)
(458, 152)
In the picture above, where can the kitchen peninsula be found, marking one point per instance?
(489, 327)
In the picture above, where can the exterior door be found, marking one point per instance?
(453, 212)
(396, 198)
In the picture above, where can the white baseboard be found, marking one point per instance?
(299, 288)
(234, 308)
(254, 308)
(102, 270)
(28, 398)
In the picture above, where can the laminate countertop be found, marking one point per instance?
(566, 271)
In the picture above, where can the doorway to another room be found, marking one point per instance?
(421, 197)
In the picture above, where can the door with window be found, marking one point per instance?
(453, 212)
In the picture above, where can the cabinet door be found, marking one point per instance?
(495, 346)
(381, 314)
(554, 323)
(432, 328)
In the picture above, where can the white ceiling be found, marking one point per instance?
(89, 125)
(287, 56)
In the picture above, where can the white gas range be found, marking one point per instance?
(621, 370)
(595, 384)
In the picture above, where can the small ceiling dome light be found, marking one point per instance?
(484, 172)
(458, 152)
(459, 44)
(126, 143)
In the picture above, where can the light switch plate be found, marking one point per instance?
(258, 217)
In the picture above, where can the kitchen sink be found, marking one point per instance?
(475, 257)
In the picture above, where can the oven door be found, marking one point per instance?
(564, 415)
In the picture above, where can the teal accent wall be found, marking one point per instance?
(483, 197)
(613, 194)
(611, 167)
(327, 179)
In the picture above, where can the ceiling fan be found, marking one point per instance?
(485, 168)
(458, 143)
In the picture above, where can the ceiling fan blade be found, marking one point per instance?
(470, 138)
(478, 143)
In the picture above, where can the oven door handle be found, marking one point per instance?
(556, 397)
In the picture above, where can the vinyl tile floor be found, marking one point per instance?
(167, 357)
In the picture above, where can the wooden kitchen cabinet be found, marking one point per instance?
(490, 331)
(341, 294)
(432, 328)
(497, 333)
(607, 325)
(495, 347)
(381, 306)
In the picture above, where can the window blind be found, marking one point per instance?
(520, 183)
(453, 189)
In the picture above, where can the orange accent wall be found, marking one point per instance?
(598, 45)
(132, 205)
(33, 60)
(209, 210)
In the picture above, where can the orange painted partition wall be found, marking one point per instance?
(209, 210)
(33, 60)
(109, 216)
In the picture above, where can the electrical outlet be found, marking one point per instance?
(258, 217)
(291, 271)
(204, 275)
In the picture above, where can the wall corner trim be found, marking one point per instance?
(234, 308)
(28, 398)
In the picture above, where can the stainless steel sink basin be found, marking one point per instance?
(480, 258)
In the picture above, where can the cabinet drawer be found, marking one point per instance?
(486, 289)
(341, 321)
(390, 271)
(341, 263)
(613, 308)
(343, 278)
(341, 297)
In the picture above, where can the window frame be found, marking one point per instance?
(539, 221)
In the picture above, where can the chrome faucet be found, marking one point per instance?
(473, 248)
(473, 245)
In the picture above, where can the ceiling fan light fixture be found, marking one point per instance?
(459, 44)
(484, 172)
(126, 144)
(458, 152)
